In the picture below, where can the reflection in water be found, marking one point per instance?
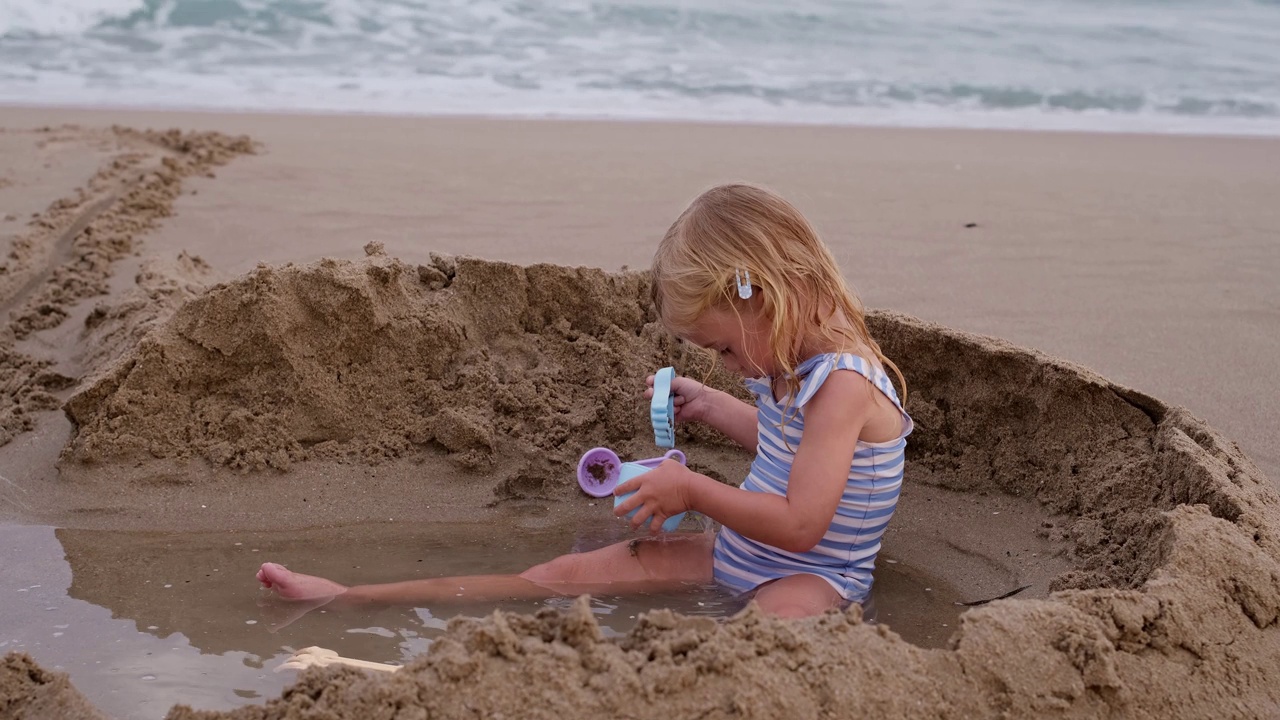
(126, 669)
(187, 622)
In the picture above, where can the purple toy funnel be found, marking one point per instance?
(598, 472)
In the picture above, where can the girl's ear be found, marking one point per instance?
(755, 303)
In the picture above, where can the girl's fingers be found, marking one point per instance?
(655, 525)
(631, 503)
(641, 517)
(626, 506)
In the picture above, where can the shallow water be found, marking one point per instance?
(142, 621)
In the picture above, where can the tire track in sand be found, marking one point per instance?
(68, 253)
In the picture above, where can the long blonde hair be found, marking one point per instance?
(742, 227)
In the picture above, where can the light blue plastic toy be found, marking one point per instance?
(601, 470)
(662, 411)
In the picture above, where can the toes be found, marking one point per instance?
(270, 574)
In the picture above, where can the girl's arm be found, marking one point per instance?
(834, 417)
(734, 418)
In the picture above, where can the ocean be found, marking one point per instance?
(1183, 66)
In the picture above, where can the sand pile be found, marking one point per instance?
(508, 370)
(1171, 608)
(29, 692)
(992, 417)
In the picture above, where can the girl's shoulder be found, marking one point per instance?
(814, 372)
(824, 365)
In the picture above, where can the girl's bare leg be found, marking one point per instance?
(798, 596)
(642, 565)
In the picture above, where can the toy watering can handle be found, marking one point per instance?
(652, 463)
(662, 411)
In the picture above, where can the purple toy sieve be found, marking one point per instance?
(598, 472)
(600, 469)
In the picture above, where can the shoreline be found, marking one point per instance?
(1272, 132)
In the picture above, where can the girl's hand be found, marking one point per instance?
(659, 494)
(691, 398)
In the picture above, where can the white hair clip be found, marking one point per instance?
(744, 283)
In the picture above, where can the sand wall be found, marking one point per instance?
(29, 692)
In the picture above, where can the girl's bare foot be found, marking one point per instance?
(296, 586)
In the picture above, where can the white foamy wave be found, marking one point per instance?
(60, 17)
(1195, 66)
(444, 96)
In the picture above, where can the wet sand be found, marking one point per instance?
(205, 399)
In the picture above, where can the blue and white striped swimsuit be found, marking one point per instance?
(846, 555)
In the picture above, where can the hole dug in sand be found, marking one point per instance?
(1150, 541)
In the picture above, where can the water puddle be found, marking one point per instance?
(142, 621)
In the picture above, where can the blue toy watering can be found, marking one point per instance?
(601, 470)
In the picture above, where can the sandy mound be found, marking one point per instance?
(1170, 611)
(29, 692)
(369, 360)
(992, 417)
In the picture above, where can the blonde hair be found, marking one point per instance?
(742, 227)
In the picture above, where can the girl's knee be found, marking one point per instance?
(794, 607)
(794, 610)
(640, 561)
(612, 563)
(564, 569)
(798, 596)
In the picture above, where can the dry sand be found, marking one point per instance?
(188, 373)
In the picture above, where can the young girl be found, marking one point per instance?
(743, 274)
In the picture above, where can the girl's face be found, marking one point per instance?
(740, 338)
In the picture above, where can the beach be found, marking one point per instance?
(1149, 259)
(1127, 276)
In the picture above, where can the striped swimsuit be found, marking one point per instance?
(846, 555)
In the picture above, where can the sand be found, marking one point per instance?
(65, 253)
(29, 692)
(202, 377)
